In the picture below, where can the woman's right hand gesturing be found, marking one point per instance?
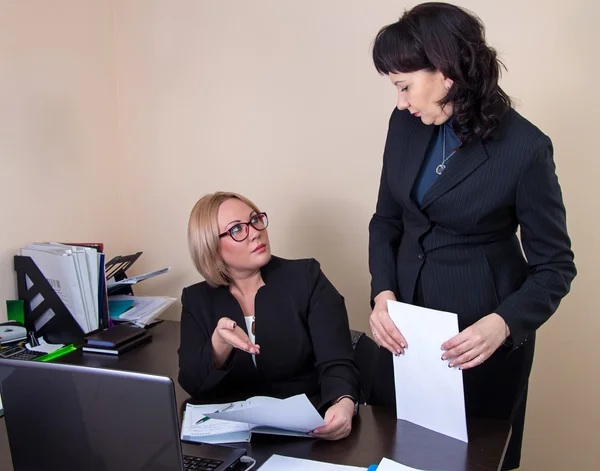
(227, 336)
(384, 330)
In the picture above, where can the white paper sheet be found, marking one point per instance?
(294, 413)
(389, 465)
(284, 463)
(213, 430)
(134, 279)
(428, 393)
(44, 347)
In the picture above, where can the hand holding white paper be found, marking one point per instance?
(428, 393)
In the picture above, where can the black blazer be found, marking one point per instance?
(302, 329)
(462, 241)
(459, 251)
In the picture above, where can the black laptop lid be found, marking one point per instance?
(80, 418)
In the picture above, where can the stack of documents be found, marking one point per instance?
(235, 422)
(76, 273)
(139, 310)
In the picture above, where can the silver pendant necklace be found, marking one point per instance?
(441, 167)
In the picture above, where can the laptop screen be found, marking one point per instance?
(72, 417)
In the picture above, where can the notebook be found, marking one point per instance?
(62, 416)
(121, 348)
(115, 336)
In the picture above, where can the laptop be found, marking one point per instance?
(75, 417)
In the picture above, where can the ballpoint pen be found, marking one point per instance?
(204, 419)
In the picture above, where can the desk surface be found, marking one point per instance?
(376, 432)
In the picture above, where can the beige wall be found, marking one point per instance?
(57, 126)
(279, 101)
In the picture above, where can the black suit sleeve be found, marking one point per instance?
(546, 244)
(330, 336)
(197, 371)
(385, 231)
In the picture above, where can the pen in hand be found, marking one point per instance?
(204, 419)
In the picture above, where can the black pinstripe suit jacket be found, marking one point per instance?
(462, 240)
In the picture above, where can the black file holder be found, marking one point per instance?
(62, 328)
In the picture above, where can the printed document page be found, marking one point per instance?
(428, 393)
(199, 428)
(285, 463)
(294, 413)
(389, 465)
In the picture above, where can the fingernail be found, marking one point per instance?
(399, 352)
(316, 432)
(402, 345)
(450, 365)
(442, 348)
(233, 325)
(443, 357)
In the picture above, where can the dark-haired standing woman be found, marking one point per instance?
(462, 171)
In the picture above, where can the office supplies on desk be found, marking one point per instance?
(58, 353)
(222, 409)
(294, 416)
(112, 283)
(145, 309)
(42, 345)
(98, 247)
(86, 262)
(62, 274)
(120, 349)
(428, 393)
(285, 463)
(11, 332)
(46, 298)
(199, 428)
(104, 420)
(15, 310)
(116, 340)
(18, 352)
(389, 465)
(117, 266)
(114, 337)
(118, 307)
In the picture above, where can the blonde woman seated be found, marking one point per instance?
(260, 324)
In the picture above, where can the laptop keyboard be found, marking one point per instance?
(196, 463)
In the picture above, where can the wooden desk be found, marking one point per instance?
(375, 433)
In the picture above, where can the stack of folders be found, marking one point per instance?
(116, 340)
(77, 275)
(139, 310)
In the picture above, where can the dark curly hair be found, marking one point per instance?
(439, 36)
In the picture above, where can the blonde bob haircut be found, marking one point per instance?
(203, 237)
